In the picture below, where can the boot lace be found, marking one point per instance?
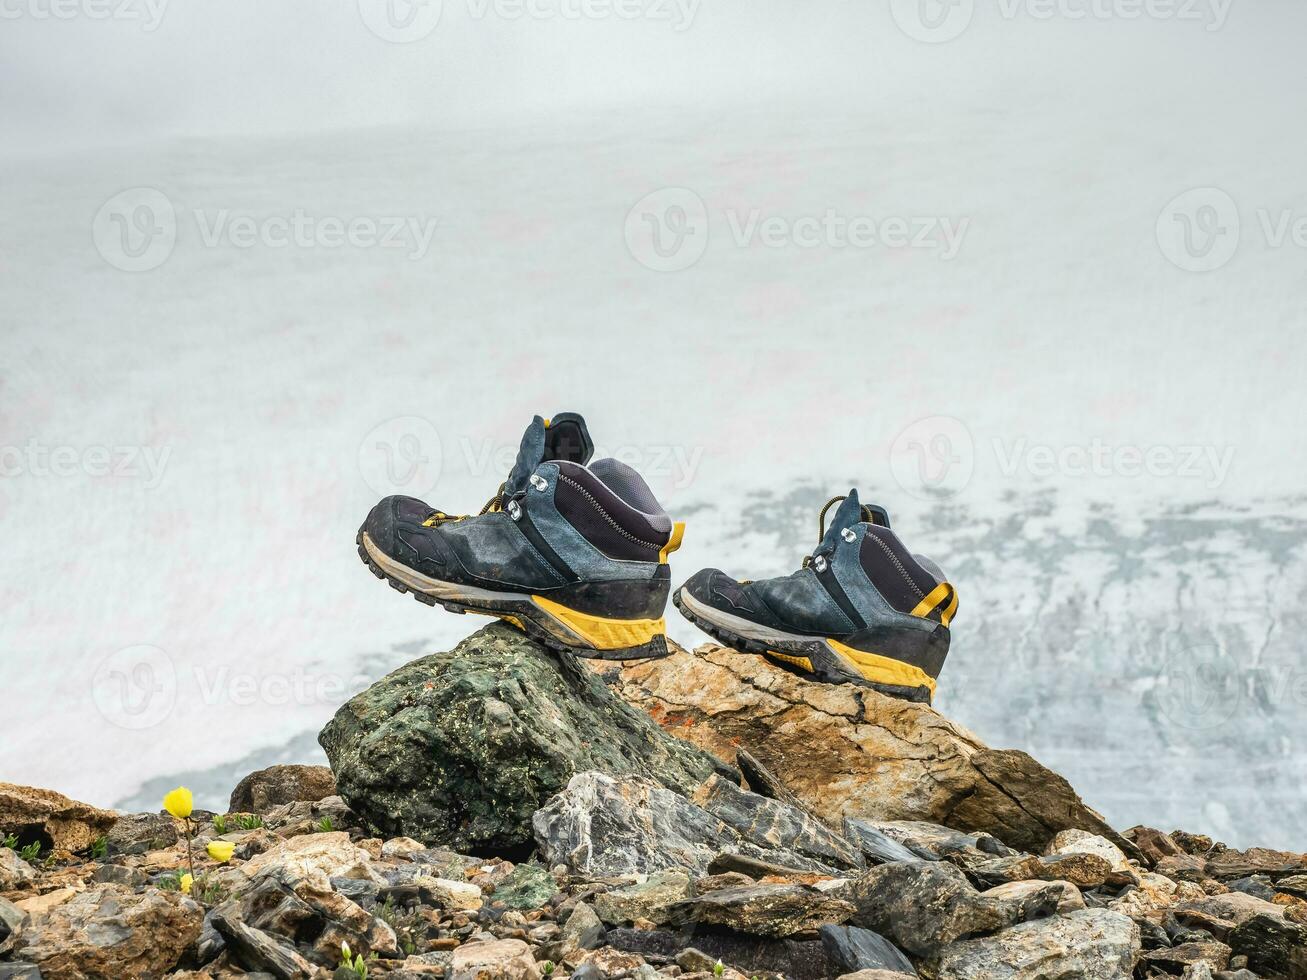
(867, 514)
(493, 505)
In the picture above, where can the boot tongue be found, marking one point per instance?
(847, 514)
(563, 437)
(852, 511)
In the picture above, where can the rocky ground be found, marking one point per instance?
(500, 812)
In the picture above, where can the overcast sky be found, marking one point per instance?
(94, 72)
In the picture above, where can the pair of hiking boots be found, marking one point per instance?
(573, 551)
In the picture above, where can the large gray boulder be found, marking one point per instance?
(1093, 944)
(608, 827)
(923, 906)
(768, 823)
(461, 748)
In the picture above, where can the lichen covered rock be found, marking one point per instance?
(461, 748)
(107, 933)
(54, 820)
(847, 751)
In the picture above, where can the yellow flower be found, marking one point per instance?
(185, 884)
(221, 850)
(179, 802)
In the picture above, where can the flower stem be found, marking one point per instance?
(190, 854)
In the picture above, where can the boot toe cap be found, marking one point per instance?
(389, 515)
(713, 587)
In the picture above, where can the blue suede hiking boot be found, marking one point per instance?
(571, 551)
(862, 610)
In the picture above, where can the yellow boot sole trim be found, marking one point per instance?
(884, 670)
(803, 662)
(602, 633)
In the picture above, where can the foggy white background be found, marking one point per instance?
(1092, 421)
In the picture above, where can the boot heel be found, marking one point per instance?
(655, 649)
(602, 637)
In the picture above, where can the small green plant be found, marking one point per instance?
(211, 892)
(249, 821)
(31, 852)
(351, 962)
(326, 825)
(220, 824)
(718, 968)
(11, 842)
(100, 849)
(547, 968)
(169, 883)
(405, 924)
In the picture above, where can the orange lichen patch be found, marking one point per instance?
(797, 878)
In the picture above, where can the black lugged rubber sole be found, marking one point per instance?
(524, 616)
(826, 669)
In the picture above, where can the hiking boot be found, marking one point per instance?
(570, 551)
(861, 610)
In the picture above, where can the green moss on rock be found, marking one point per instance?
(461, 748)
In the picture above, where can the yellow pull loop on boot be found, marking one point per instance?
(673, 543)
